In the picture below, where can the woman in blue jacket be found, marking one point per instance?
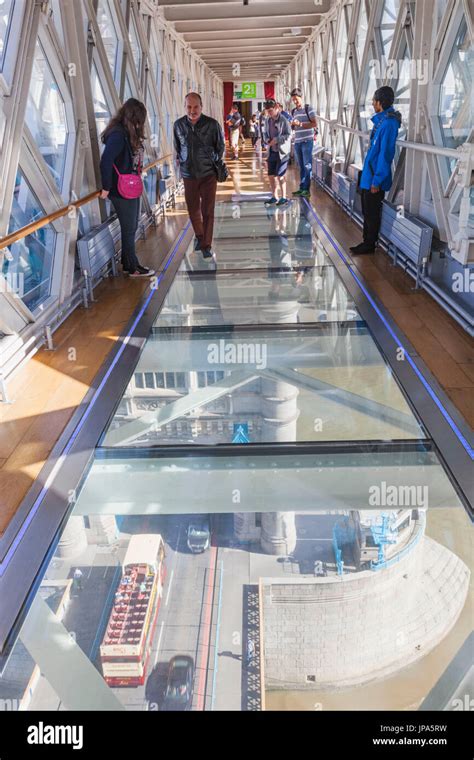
(123, 140)
(376, 175)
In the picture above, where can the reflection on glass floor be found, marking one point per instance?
(248, 236)
(342, 569)
(276, 296)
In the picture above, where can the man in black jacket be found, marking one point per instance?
(199, 143)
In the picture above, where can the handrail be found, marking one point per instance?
(39, 223)
(424, 147)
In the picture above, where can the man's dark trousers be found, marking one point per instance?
(200, 196)
(372, 212)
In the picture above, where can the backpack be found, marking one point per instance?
(306, 107)
(242, 121)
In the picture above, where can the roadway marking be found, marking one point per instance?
(169, 587)
(158, 645)
(207, 625)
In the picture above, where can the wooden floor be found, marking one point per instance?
(48, 389)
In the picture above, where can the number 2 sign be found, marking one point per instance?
(249, 89)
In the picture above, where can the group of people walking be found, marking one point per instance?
(200, 146)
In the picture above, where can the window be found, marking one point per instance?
(366, 108)
(170, 380)
(149, 380)
(139, 380)
(361, 35)
(109, 36)
(57, 21)
(322, 96)
(387, 24)
(135, 45)
(157, 65)
(101, 110)
(46, 116)
(32, 258)
(348, 99)
(333, 101)
(6, 12)
(402, 96)
(330, 47)
(160, 379)
(455, 98)
(341, 48)
(128, 89)
(154, 120)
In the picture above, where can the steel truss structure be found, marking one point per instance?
(84, 57)
(423, 50)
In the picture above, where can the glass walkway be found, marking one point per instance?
(257, 492)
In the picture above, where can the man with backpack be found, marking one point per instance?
(376, 176)
(303, 122)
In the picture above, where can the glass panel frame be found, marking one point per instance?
(57, 117)
(29, 266)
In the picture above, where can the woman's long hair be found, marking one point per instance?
(132, 116)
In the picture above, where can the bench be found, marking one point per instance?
(406, 237)
(321, 170)
(97, 252)
(344, 189)
(167, 191)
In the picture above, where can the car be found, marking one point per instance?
(179, 688)
(199, 535)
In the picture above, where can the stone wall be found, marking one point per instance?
(343, 631)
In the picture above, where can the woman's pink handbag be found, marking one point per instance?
(130, 185)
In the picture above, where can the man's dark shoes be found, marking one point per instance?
(208, 253)
(197, 244)
(362, 248)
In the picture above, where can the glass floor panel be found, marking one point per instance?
(278, 386)
(257, 237)
(280, 576)
(310, 294)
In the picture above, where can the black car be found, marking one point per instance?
(179, 688)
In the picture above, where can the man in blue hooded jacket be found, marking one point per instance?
(376, 175)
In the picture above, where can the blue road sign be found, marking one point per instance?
(241, 433)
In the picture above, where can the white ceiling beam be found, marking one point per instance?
(241, 24)
(301, 10)
(281, 33)
(245, 45)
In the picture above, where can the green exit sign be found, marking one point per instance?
(249, 89)
(238, 95)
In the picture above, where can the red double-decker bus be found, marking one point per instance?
(125, 649)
